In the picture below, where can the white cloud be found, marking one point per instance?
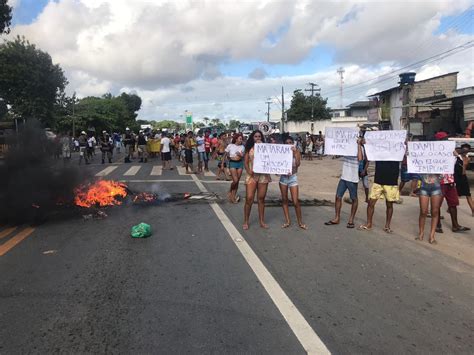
(162, 49)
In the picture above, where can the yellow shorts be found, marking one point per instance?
(390, 192)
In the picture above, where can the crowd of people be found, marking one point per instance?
(233, 155)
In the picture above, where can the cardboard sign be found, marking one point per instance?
(341, 141)
(385, 145)
(434, 157)
(273, 159)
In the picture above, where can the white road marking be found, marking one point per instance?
(209, 173)
(152, 181)
(181, 170)
(133, 170)
(298, 324)
(106, 171)
(157, 170)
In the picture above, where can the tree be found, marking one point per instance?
(199, 124)
(29, 81)
(5, 17)
(206, 120)
(234, 124)
(300, 109)
(168, 124)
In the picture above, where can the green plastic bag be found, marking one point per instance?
(141, 230)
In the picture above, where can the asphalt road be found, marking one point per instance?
(78, 286)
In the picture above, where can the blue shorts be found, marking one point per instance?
(347, 185)
(430, 190)
(236, 164)
(289, 180)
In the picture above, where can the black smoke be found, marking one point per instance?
(33, 183)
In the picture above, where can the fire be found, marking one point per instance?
(145, 197)
(102, 193)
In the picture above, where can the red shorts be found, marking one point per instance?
(450, 194)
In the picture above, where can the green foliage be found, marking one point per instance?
(168, 124)
(234, 124)
(29, 81)
(300, 109)
(5, 17)
(199, 124)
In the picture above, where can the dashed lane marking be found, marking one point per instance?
(157, 170)
(7, 231)
(17, 238)
(133, 170)
(181, 170)
(106, 171)
(295, 320)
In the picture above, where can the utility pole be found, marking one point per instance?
(73, 117)
(312, 97)
(341, 71)
(282, 111)
(268, 102)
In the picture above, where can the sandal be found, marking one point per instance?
(285, 225)
(433, 241)
(388, 230)
(303, 226)
(330, 223)
(418, 238)
(363, 227)
(350, 225)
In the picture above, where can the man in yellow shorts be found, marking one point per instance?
(386, 185)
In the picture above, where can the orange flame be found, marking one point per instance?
(102, 193)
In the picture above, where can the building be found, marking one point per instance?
(353, 115)
(411, 104)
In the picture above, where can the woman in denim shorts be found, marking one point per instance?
(430, 192)
(291, 182)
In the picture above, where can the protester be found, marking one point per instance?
(117, 139)
(219, 156)
(430, 193)
(201, 151)
(165, 148)
(385, 184)
(91, 143)
(349, 181)
(448, 188)
(254, 182)
(189, 145)
(320, 145)
(83, 148)
(208, 147)
(460, 177)
(65, 144)
(142, 147)
(291, 182)
(235, 153)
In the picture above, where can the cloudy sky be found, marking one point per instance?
(222, 58)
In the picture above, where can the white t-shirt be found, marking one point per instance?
(166, 145)
(201, 148)
(350, 169)
(233, 149)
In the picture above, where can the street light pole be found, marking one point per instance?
(268, 102)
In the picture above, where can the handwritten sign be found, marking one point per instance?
(273, 159)
(385, 145)
(341, 141)
(434, 157)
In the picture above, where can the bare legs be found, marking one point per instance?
(261, 190)
(295, 199)
(436, 201)
(236, 174)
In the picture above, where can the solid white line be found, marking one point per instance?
(298, 324)
(133, 170)
(106, 171)
(157, 170)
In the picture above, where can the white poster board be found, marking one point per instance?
(434, 157)
(341, 141)
(385, 145)
(273, 159)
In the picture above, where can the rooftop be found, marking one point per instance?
(361, 104)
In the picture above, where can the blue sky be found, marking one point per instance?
(377, 40)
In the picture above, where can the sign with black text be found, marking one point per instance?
(341, 141)
(273, 159)
(385, 145)
(434, 157)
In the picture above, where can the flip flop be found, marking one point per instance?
(433, 241)
(303, 226)
(388, 230)
(330, 223)
(285, 225)
(364, 228)
(461, 229)
(350, 225)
